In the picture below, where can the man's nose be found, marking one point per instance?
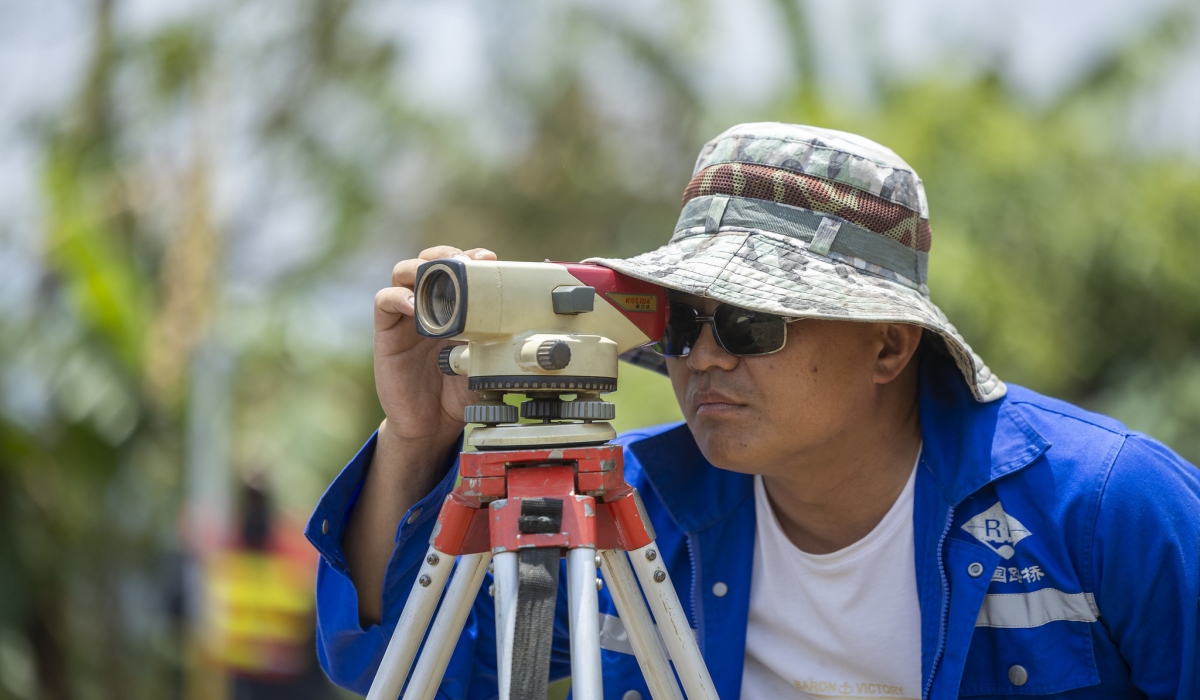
(708, 354)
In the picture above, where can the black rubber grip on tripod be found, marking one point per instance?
(533, 635)
(540, 515)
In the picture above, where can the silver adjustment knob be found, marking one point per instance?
(553, 355)
(588, 410)
(490, 413)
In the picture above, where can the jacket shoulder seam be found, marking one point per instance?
(1089, 567)
(1045, 409)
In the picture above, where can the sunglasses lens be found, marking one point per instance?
(681, 334)
(740, 331)
(745, 332)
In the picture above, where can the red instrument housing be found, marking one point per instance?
(643, 303)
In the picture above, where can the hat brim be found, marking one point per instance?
(777, 274)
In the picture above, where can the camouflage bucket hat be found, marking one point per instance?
(807, 223)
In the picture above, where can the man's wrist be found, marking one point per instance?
(417, 464)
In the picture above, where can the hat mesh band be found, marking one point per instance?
(763, 182)
(884, 256)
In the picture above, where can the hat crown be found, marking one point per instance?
(806, 222)
(833, 155)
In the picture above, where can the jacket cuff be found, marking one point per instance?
(328, 522)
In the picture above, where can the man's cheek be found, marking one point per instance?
(680, 387)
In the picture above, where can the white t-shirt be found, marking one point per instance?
(840, 625)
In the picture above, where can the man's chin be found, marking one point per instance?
(737, 467)
(726, 448)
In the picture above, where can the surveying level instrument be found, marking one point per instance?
(533, 493)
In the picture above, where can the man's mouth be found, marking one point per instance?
(711, 402)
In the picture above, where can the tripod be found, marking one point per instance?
(517, 511)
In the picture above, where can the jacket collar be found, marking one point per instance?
(695, 493)
(967, 445)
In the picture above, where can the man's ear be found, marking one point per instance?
(898, 343)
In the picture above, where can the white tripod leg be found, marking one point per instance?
(586, 680)
(410, 630)
(507, 578)
(647, 646)
(672, 623)
(447, 626)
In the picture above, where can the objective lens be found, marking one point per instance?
(442, 298)
(438, 301)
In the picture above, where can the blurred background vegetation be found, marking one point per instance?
(185, 293)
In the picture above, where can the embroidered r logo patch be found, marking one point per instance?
(997, 530)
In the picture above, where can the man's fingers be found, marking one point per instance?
(404, 274)
(480, 254)
(392, 304)
(439, 251)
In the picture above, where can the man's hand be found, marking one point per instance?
(422, 405)
(424, 411)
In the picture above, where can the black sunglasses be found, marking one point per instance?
(738, 331)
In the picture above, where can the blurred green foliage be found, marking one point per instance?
(1063, 253)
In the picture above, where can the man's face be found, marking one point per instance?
(759, 414)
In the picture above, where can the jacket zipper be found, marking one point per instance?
(945, 605)
(694, 558)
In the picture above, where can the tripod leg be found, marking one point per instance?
(647, 646)
(507, 578)
(410, 630)
(447, 626)
(672, 623)
(586, 680)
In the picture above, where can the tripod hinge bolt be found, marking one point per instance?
(599, 584)
(425, 580)
(660, 576)
(492, 590)
(432, 559)
(651, 555)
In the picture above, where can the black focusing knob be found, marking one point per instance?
(444, 360)
(553, 355)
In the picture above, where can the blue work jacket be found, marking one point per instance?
(1057, 555)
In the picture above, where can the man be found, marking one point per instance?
(856, 506)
